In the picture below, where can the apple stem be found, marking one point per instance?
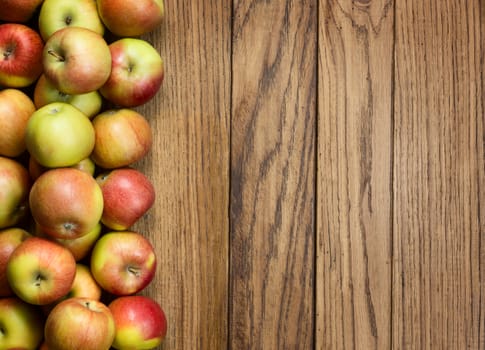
(56, 55)
(38, 280)
(134, 270)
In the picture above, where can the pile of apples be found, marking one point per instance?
(72, 73)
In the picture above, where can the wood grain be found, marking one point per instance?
(438, 299)
(272, 174)
(189, 222)
(354, 234)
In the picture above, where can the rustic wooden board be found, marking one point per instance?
(438, 300)
(354, 232)
(189, 223)
(272, 174)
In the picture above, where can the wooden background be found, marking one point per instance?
(320, 173)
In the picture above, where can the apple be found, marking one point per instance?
(10, 239)
(21, 325)
(137, 73)
(45, 92)
(35, 169)
(83, 286)
(139, 16)
(79, 323)
(21, 51)
(79, 247)
(16, 107)
(40, 271)
(18, 11)
(14, 191)
(140, 322)
(123, 262)
(66, 203)
(76, 60)
(122, 137)
(127, 194)
(57, 14)
(59, 135)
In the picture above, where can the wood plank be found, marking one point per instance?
(272, 174)
(438, 299)
(189, 164)
(354, 175)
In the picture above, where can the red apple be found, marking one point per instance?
(19, 11)
(16, 107)
(14, 192)
(79, 323)
(10, 239)
(21, 52)
(123, 263)
(21, 325)
(66, 203)
(40, 271)
(140, 322)
(139, 16)
(76, 60)
(137, 72)
(122, 137)
(127, 194)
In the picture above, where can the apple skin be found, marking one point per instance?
(139, 16)
(59, 135)
(137, 72)
(79, 247)
(76, 60)
(40, 271)
(66, 203)
(16, 107)
(140, 322)
(15, 185)
(22, 325)
(91, 319)
(10, 239)
(18, 11)
(45, 92)
(122, 137)
(127, 194)
(57, 14)
(123, 262)
(21, 50)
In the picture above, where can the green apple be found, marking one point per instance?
(123, 262)
(136, 74)
(45, 92)
(76, 60)
(14, 191)
(10, 239)
(122, 137)
(66, 203)
(140, 322)
(16, 107)
(79, 323)
(139, 16)
(21, 325)
(40, 271)
(59, 135)
(58, 14)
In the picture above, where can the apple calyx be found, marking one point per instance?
(60, 58)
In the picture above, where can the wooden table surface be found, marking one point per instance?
(320, 174)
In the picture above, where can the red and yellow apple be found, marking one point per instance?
(123, 262)
(14, 192)
(127, 195)
(16, 107)
(66, 203)
(140, 322)
(21, 51)
(79, 323)
(18, 11)
(122, 137)
(40, 271)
